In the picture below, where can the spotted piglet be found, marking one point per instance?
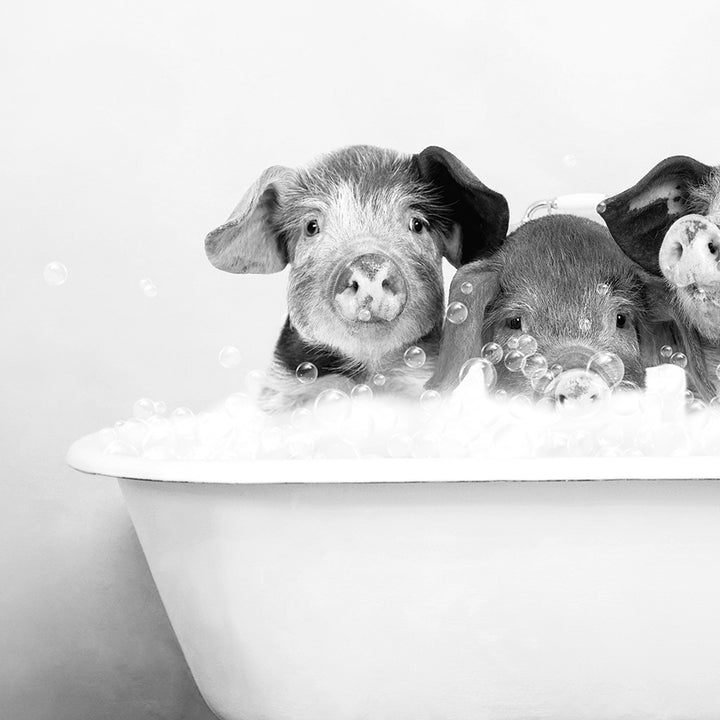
(364, 231)
(669, 223)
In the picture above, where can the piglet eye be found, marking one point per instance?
(416, 225)
(312, 227)
(620, 320)
(514, 323)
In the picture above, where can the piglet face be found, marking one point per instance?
(562, 281)
(366, 261)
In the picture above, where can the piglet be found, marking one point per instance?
(668, 223)
(563, 281)
(364, 231)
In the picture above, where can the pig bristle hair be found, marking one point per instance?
(704, 199)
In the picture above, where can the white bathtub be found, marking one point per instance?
(423, 590)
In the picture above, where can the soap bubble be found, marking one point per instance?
(520, 406)
(457, 313)
(569, 161)
(306, 373)
(715, 403)
(556, 369)
(361, 393)
(466, 288)
(399, 445)
(364, 315)
(625, 398)
(533, 365)
(679, 359)
(143, 409)
(513, 342)
(492, 352)
(414, 357)
(602, 289)
(527, 344)
(514, 360)
(184, 420)
(332, 406)
(149, 290)
(501, 394)
(608, 366)
(55, 273)
(666, 351)
(431, 400)
(541, 381)
(301, 418)
(160, 407)
(255, 382)
(479, 370)
(585, 325)
(580, 393)
(229, 357)
(379, 379)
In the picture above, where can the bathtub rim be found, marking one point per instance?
(86, 455)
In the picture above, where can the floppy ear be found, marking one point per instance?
(480, 213)
(638, 218)
(249, 242)
(463, 341)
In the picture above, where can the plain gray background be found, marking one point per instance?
(130, 129)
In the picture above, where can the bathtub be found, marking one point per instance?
(436, 589)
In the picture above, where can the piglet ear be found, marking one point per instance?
(249, 242)
(639, 217)
(480, 213)
(462, 341)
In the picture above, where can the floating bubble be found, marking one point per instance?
(306, 373)
(501, 395)
(332, 406)
(361, 393)
(585, 325)
(513, 342)
(541, 382)
(520, 406)
(602, 289)
(466, 288)
(556, 369)
(55, 273)
(255, 382)
(580, 393)
(569, 161)
(608, 366)
(143, 409)
(527, 344)
(625, 398)
(679, 359)
(514, 360)
(533, 365)
(666, 351)
(457, 313)
(478, 371)
(492, 352)
(431, 400)
(229, 357)
(414, 357)
(379, 379)
(364, 315)
(160, 407)
(148, 287)
(601, 207)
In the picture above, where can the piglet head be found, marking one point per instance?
(668, 224)
(573, 315)
(364, 231)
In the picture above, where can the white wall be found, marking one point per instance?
(130, 129)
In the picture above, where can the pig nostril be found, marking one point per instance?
(562, 398)
(712, 248)
(385, 285)
(354, 286)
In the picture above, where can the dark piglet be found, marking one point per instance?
(364, 231)
(668, 222)
(562, 280)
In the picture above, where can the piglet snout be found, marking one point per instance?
(690, 252)
(370, 288)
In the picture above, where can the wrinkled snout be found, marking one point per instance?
(370, 288)
(690, 251)
(578, 389)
